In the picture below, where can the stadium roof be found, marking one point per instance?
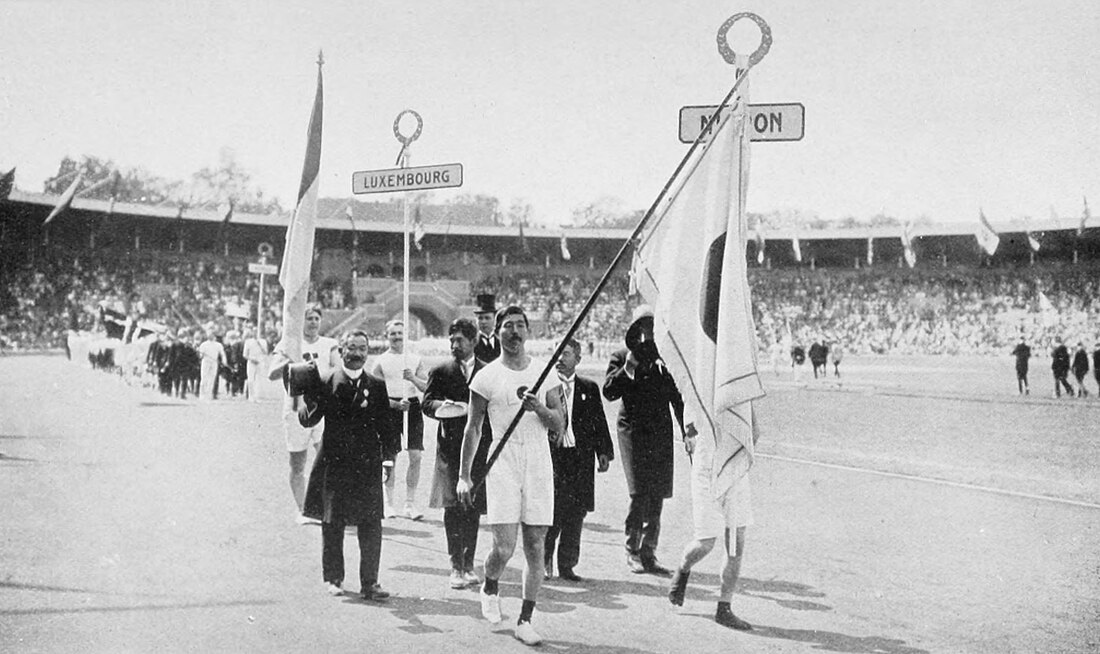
(475, 220)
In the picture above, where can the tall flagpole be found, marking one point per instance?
(723, 47)
(403, 162)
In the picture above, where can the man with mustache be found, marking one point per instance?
(345, 485)
(520, 485)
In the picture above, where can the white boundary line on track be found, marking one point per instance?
(930, 480)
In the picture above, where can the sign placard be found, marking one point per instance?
(263, 269)
(416, 178)
(767, 122)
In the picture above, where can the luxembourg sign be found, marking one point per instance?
(767, 122)
(263, 269)
(417, 178)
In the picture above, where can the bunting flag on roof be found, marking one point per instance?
(565, 255)
(66, 199)
(907, 245)
(987, 237)
(7, 183)
(759, 237)
(418, 230)
(1085, 217)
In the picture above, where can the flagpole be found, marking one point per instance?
(699, 140)
(403, 161)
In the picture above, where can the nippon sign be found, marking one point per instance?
(406, 179)
(263, 269)
(767, 122)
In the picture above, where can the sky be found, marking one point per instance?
(934, 108)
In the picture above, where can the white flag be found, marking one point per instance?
(907, 245)
(565, 248)
(760, 242)
(691, 268)
(987, 237)
(797, 247)
(298, 252)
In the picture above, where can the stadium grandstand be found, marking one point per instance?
(182, 268)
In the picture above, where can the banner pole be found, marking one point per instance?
(699, 140)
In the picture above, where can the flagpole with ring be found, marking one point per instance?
(403, 161)
(730, 56)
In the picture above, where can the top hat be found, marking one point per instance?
(486, 303)
(302, 378)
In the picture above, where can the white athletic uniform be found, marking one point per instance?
(298, 438)
(393, 366)
(710, 518)
(520, 486)
(211, 353)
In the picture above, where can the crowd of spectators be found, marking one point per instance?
(964, 310)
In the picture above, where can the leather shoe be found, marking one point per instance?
(375, 594)
(635, 564)
(652, 567)
(568, 575)
(678, 588)
(728, 619)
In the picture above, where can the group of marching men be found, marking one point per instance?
(526, 460)
(200, 362)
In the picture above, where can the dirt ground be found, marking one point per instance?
(913, 505)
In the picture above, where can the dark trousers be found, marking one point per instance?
(643, 526)
(370, 552)
(1021, 379)
(566, 534)
(460, 524)
(1060, 382)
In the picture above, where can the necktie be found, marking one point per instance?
(567, 402)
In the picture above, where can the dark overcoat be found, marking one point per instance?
(574, 467)
(446, 382)
(645, 424)
(345, 484)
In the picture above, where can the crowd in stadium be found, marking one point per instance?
(963, 310)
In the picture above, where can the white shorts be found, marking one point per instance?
(520, 486)
(710, 518)
(299, 438)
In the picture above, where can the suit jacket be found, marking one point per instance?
(345, 484)
(446, 382)
(645, 425)
(487, 348)
(574, 467)
(1059, 360)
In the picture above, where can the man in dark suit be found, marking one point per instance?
(345, 485)
(1059, 365)
(448, 385)
(585, 440)
(1022, 352)
(638, 377)
(487, 348)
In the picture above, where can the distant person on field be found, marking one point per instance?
(837, 354)
(819, 356)
(1081, 368)
(1022, 353)
(1059, 365)
(1096, 365)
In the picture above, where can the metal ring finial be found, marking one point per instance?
(407, 140)
(727, 52)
